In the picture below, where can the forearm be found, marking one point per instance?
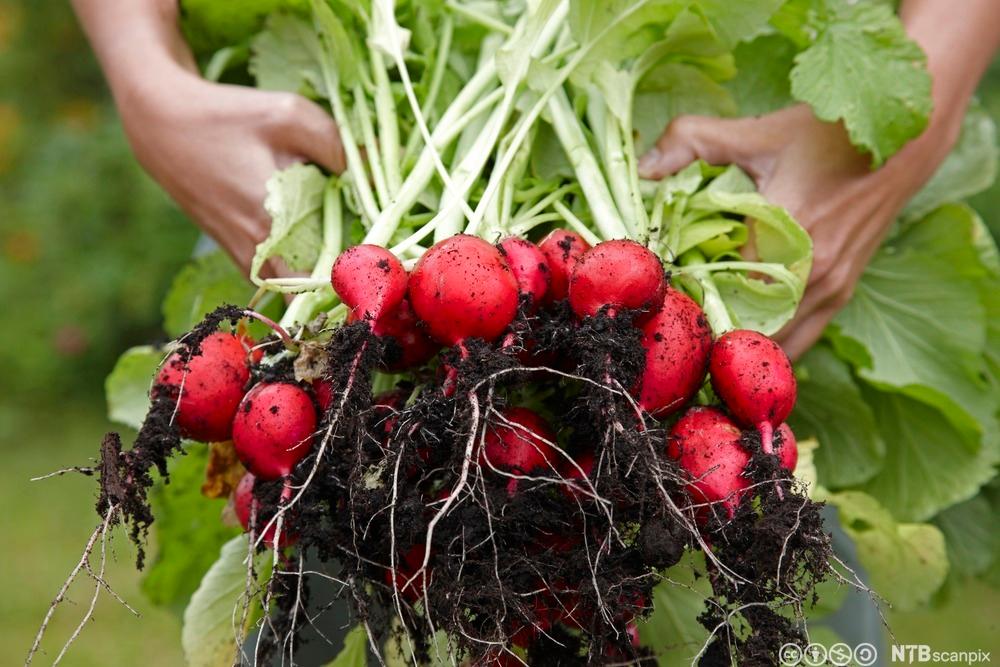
(960, 39)
(138, 44)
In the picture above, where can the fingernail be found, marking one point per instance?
(647, 163)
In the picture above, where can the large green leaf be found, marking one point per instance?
(864, 70)
(616, 30)
(285, 56)
(928, 465)
(355, 651)
(295, 204)
(761, 84)
(904, 317)
(738, 21)
(201, 286)
(672, 630)
(127, 387)
(189, 531)
(970, 529)
(831, 409)
(212, 618)
(970, 167)
(906, 561)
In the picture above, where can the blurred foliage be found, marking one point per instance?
(88, 243)
(988, 202)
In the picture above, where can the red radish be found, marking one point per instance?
(678, 342)
(619, 275)
(530, 268)
(544, 612)
(788, 449)
(563, 249)
(519, 445)
(273, 429)
(402, 325)
(754, 378)
(243, 502)
(369, 280)
(462, 288)
(208, 388)
(323, 391)
(405, 578)
(706, 443)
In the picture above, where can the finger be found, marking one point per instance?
(687, 138)
(310, 132)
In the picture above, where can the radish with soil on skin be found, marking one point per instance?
(530, 268)
(414, 347)
(706, 444)
(273, 430)
(753, 377)
(788, 448)
(575, 474)
(520, 443)
(678, 342)
(404, 579)
(243, 505)
(614, 276)
(462, 288)
(208, 388)
(370, 281)
(562, 249)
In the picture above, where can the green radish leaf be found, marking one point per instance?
(212, 24)
(189, 530)
(127, 387)
(673, 630)
(212, 618)
(341, 46)
(295, 204)
(713, 236)
(761, 84)
(355, 651)
(735, 22)
(831, 409)
(928, 464)
(285, 56)
(906, 561)
(970, 532)
(862, 69)
(971, 167)
(207, 282)
(903, 314)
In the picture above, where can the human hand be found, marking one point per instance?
(810, 168)
(213, 147)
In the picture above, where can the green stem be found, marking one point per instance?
(388, 125)
(713, 305)
(577, 224)
(305, 306)
(482, 19)
(375, 163)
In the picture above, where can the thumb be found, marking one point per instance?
(310, 132)
(717, 141)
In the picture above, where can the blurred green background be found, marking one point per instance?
(88, 246)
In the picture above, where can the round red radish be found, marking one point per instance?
(788, 450)
(415, 347)
(519, 443)
(563, 249)
(323, 391)
(544, 611)
(678, 342)
(243, 502)
(706, 443)
(622, 275)
(208, 388)
(753, 377)
(530, 268)
(405, 579)
(273, 429)
(462, 288)
(369, 280)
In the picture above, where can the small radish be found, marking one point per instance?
(405, 579)
(678, 342)
(563, 249)
(706, 443)
(369, 280)
(273, 429)
(519, 443)
(530, 268)
(617, 275)
(462, 288)
(415, 348)
(543, 613)
(323, 391)
(243, 504)
(575, 487)
(788, 448)
(754, 378)
(209, 387)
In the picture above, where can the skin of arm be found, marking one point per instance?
(811, 168)
(211, 146)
